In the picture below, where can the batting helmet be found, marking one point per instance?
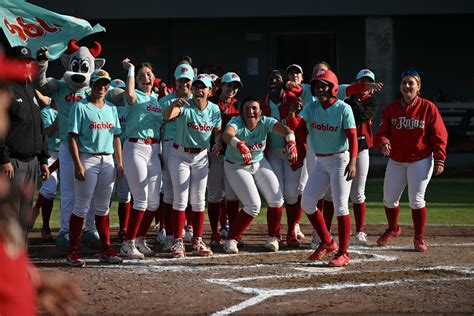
(327, 77)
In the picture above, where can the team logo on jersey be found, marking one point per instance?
(71, 97)
(256, 146)
(152, 108)
(407, 123)
(324, 127)
(101, 125)
(200, 127)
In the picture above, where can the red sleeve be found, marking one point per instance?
(351, 134)
(438, 136)
(355, 88)
(297, 91)
(295, 122)
(383, 133)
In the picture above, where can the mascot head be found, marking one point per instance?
(80, 63)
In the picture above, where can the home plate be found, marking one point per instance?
(319, 269)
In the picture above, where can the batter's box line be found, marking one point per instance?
(264, 294)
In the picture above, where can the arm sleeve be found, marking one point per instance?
(74, 119)
(351, 134)
(355, 88)
(438, 136)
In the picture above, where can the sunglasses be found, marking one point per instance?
(410, 73)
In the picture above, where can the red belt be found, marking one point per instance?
(327, 155)
(147, 141)
(191, 150)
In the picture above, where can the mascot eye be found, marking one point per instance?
(85, 67)
(75, 66)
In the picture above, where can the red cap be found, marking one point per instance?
(328, 77)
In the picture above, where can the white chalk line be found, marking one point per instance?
(264, 294)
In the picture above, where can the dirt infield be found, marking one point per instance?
(378, 280)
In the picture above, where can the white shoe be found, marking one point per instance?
(272, 243)
(361, 238)
(129, 250)
(178, 249)
(230, 246)
(315, 241)
(188, 234)
(200, 248)
(168, 243)
(299, 233)
(161, 236)
(143, 247)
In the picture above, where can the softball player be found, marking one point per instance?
(140, 156)
(413, 135)
(188, 160)
(332, 132)
(183, 75)
(218, 187)
(248, 172)
(94, 131)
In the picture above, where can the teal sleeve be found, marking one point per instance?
(75, 117)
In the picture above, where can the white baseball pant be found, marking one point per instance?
(49, 187)
(288, 178)
(248, 180)
(98, 184)
(328, 171)
(143, 170)
(189, 177)
(218, 186)
(358, 183)
(398, 174)
(166, 178)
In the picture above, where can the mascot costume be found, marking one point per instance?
(79, 63)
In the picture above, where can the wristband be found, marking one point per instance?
(131, 72)
(290, 137)
(234, 141)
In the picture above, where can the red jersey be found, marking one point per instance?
(413, 131)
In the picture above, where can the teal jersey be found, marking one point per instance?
(275, 141)
(307, 97)
(256, 139)
(64, 98)
(95, 127)
(327, 126)
(48, 115)
(170, 126)
(144, 118)
(194, 127)
(121, 115)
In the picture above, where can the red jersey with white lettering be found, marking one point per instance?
(413, 131)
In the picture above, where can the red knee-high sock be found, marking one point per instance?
(392, 217)
(102, 224)
(198, 223)
(223, 217)
(359, 215)
(159, 212)
(419, 222)
(317, 220)
(328, 213)
(292, 211)
(232, 211)
(214, 212)
(179, 219)
(124, 214)
(274, 220)
(146, 222)
(239, 226)
(189, 215)
(46, 210)
(168, 218)
(300, 210)
(75, 229)
(134, 223)
(344, 232)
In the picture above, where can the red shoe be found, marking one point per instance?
(110, 256)
(74, 259)
(420, 244)
(178, 250)
(339, 260)
(323, 250)
(387, 235)
(200, 248)
(292, 241)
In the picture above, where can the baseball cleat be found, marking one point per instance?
(299, 233)
(129, 250)
(361, 238)
(292, 241)
(143, 247)
(188, 234)
(273, 243)
(323, 250)
(110, 256)
(178, 248)
(420, 244)
(230, 246)
(339, 260)
(168, 243)
(200, 248)
(387, 235)
(74, 259)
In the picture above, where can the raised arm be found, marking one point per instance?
(130, 95)
(47, 86)
(174, 110)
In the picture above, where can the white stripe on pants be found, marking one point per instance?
(398, 174)
(248, 180)
(167, 184)
(189, 177)
(328, 171)
(358, 183)
(49, 187)
(143, 170)
(217, 184)
(99, 177)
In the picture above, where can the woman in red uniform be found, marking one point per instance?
(413, 135)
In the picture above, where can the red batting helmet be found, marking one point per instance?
(328, 77)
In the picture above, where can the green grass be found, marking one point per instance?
(449, 202)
